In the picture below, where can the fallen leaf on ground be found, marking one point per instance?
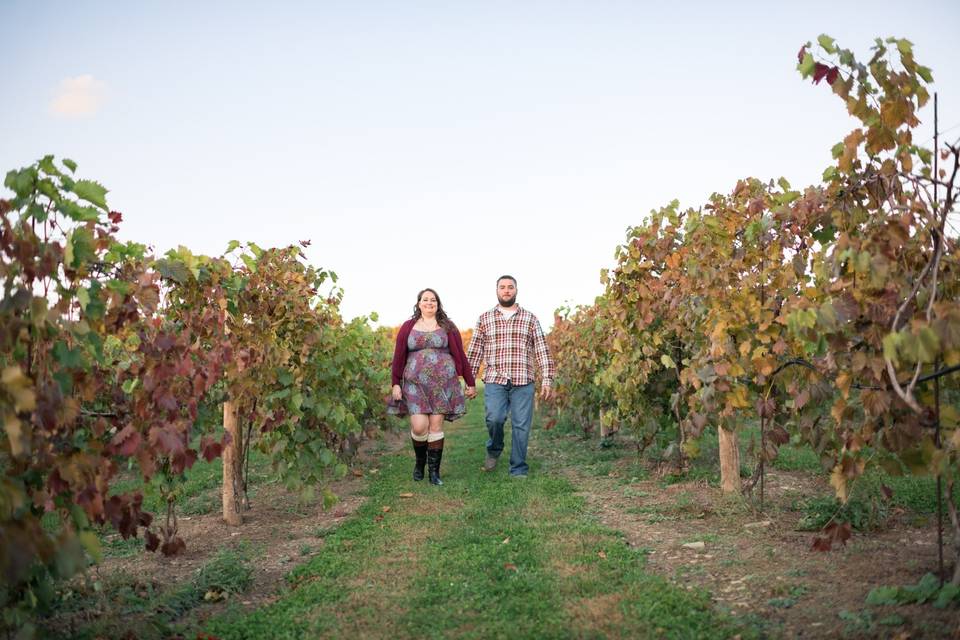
(506, 540)
(386, 508)
(406, 495)
(602, 554)
(509, 566)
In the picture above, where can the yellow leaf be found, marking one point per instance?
(839, 482)
(843, 383)
(18, 433)
(20, 387)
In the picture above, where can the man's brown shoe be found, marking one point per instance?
(489, 464)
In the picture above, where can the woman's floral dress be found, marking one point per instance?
(430, 381)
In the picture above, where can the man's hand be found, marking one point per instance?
(546, 393)
(471, 392)
(397, 393)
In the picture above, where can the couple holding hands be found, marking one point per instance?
(429, 358)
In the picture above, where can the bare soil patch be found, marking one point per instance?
(759, 565)
(278, 533)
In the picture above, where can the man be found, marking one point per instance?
(508, 339)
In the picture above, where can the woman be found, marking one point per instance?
(427, 359)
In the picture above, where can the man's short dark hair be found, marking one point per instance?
(507, 278)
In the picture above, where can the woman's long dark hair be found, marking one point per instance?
(442, 319)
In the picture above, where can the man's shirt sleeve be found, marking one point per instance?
(542, 354)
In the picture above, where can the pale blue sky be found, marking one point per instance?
(435, 143)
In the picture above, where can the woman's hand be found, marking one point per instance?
(397, 393)
(471, 392)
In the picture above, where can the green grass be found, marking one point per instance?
(483, 556)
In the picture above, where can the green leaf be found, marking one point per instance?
(83, 296)
(174, 270)
(74, 211)
(905, 47)
(784, 184)
(70, 164)
(948, 594)
(130, 385)
(668, 362)
(924, 72)
(91, 543)
(47, 166)
(92, 192)
(329, 499)
(233, 245)
(21, 182)
(928, 345)
(827, 43)
(891, 343)
(68, 358)
(807, 65)
(880, 596)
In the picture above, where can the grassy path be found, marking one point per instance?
(484, 556)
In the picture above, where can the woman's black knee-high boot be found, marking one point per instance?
(434, 456)
(420, 451)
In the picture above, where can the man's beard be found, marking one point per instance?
(507, 302)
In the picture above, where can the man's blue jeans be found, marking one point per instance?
(498, 399)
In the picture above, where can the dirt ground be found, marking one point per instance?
(278, 533)
(758, 565)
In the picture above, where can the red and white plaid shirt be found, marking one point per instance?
(508, 346)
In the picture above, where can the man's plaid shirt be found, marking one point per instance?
(508, 347)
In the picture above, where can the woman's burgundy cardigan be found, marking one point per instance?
(456, 350)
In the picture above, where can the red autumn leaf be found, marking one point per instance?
(127, 441)
(115, 217)
(173, 547)
(166, 440)
(56, 483)
(164, 342)
(822, 544)
(820, 72)
(168, 402)
(210, 448)
(778, 435)
(182, 461)
(832, 75)
(152, 540)
(801, 53)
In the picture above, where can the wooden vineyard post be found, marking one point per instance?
(231, 511)
(729, 461)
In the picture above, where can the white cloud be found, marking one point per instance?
(78, 97)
